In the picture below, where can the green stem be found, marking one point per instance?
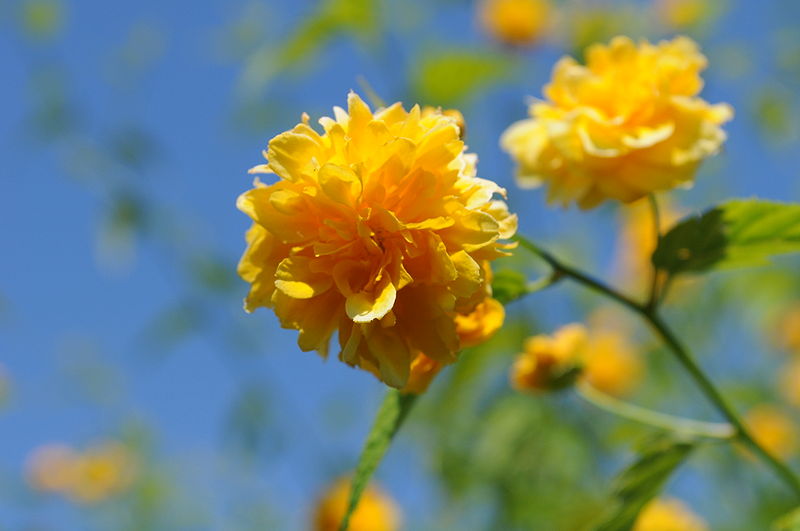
(656, 419)
(681, 353)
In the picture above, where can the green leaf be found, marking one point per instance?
(390, 417)
(789, 522)
(735, 234)
(642, 481)
(509, 285)
(451, 77)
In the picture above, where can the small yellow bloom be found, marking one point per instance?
(773, 429)
(683, 14)
(628, 123)
(379, 229)
(550, 362)
(516, 22)
(668, 514)
(637, 241)
(375, 511)
(87, 477)
(611, 363)
(788, 330)
(789, 382)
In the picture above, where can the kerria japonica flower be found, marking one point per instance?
(379, 230)
(626, 124)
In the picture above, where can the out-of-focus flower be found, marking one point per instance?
(668, 514)
(516, 22)
(637, 241)
(683, 14)
(550, 362)
(611, 363)
(788, 330)
(87, 477)
(789, 382)
(377, 228)
(375, 511)
(773, 429)
(628, 123)
(455, 114)
(602, 357)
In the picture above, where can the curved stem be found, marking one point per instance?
(651, 316)
(656, 419)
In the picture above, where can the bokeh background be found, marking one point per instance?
(126, 132)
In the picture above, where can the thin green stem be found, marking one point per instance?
(656, 419)
(651, 316)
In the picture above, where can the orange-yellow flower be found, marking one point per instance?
(550, 362)
(87, 477)
(628, 123)
(668, 514)
(773, 429)
(379, 229)
(375, 511)
(611, 364)
(516, 22)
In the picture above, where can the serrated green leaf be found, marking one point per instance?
(642, 481)
(390, 417)
(735, 234)
(789, 522)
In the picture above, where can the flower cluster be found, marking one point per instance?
(626, 124)
(378, 229)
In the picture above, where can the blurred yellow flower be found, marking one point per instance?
(773, 429)
(455, 114)
(789, 382)
(375, 511)
(668, 514)
(683, 14)
(516, 22)
(788, 329)
(637, 241)
(628, 123)
(611, 363)
(603, 358)
(87, 477)
(377, 228)
(550, 362)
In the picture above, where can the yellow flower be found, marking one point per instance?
(789, 382)
(788, 330)
(550, 362)
(455, 114)
(682, 14)
(378, 229)
(637, 241)
(668, 514)
(773, 429)
(375, 511)
(611, 363)
(516, 22)
(628, 123)
(87, 477)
